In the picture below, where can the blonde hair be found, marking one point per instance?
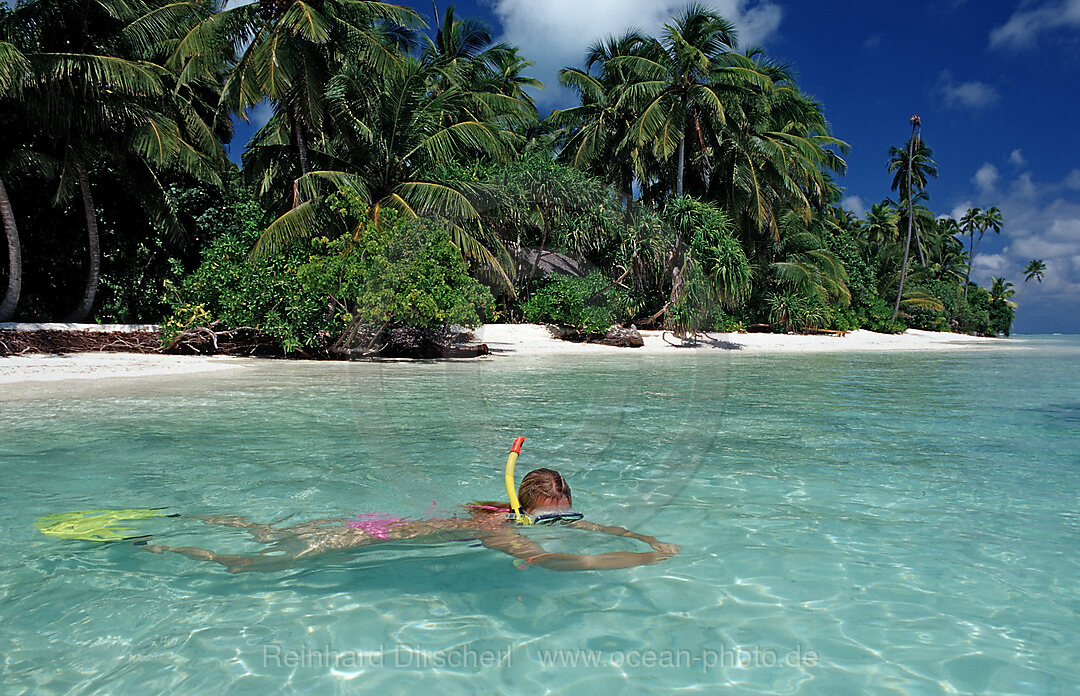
(537, 484)
(542, 483)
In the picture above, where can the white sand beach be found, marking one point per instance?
(503, 339)
(55, 368)
(535, 339)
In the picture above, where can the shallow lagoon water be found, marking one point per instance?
(851, 523)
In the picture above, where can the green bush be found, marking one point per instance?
(405, 273)
(720, 321)
(973, 316)
(877, 316)
(581, 303)
(926, 319)
(846, 319)
(235, 290)
(1001, 315)
(307, 294)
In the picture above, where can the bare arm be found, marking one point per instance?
(512, 543)
(663, 547)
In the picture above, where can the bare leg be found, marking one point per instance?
(233, 562)
(263, 533)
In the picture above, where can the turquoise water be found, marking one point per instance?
(860, 523)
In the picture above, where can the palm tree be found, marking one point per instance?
(947, 258)
(674, 90)
(101, 103)
(292, 49)
(772, 151)
(980, 221)
(992, 220)
(912, 167)
(1002, 308)
(989, 219)
(706, 264)
(806, 265)
(390, 137)
(465, 55)
(746, 136)
(913, 143)
(598, 130)
(462, 55)
(456, 44)
(969, 223)
(1002, 290)
(881, 226)
(1034, 269)
(503, 75)
(14, 69)
(14, 286)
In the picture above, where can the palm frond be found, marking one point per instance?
(302, 222)
(432, 198)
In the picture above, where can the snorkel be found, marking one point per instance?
(511, 489)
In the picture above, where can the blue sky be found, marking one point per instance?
(995, 83)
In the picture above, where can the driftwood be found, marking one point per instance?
(684, 342)
(59, 342)
(419, 343)
(211, 340)
(368, 341)
(623, 337)
(615, 335)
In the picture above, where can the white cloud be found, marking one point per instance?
(1024, 187)
(1017, 158)
(854, 204)
(1032, 19)
(960, 208)
(989, 264)
(986, 178)
(872, 42)
(1072, 181)
(972, 95)
(556, 33)
(1041, 248)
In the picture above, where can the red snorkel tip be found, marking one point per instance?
(517, 445)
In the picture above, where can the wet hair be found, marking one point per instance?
(542, 483)
(539, 483)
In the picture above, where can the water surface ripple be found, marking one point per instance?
(862, 523)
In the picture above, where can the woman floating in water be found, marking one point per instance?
(544, 497)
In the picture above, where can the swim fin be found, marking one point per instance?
(95, 525)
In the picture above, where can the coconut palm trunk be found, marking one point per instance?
(971, 258)
(14, 286)
(682, 154)
(919, 246)
(82, 312)
(302, 151)
(540, 250)
(911, 217)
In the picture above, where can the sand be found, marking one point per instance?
(533, 339)
(57, 368)
(504, 340)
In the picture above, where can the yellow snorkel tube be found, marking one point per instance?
(511, 489)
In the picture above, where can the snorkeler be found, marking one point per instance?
(544, 496)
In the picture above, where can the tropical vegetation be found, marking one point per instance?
(403, 176)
